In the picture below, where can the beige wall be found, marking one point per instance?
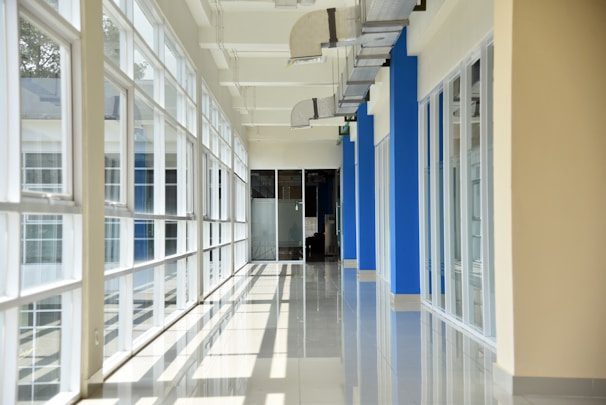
(443, 35)
(550, 188)
(294, 155)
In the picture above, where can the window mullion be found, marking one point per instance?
(448, 203)
(434, 186)
(486, 196)
(465, 135)
(422, 139)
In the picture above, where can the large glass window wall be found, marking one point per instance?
(40, 231)
(455, 155)
(224, 205)
(150, 154)
(153, 175)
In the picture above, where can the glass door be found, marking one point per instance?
(290, 215)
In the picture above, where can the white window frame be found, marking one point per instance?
(482, 52)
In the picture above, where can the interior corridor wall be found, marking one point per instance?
(295, 154)
(444, 34)
(550, 191)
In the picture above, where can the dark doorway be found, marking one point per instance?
(321, 195)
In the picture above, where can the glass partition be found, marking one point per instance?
(263, 214)
(290, 214)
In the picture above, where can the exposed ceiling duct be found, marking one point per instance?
(293, 3)
(309, 109)
(368, 31)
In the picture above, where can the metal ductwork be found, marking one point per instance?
(314, 108)
(293, 3)
(368, 31)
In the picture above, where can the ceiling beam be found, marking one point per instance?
(280, 118)
(289, 134)
(277, 98)
(274, 72)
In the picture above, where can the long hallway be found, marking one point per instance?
(309, 334)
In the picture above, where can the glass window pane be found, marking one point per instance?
(144, 157)
(455, 186)
(115, 134)
(44, 101)
(171, 60)
(170, 244)
(171, 171)
(112, 243)
(113, 40)
(42, 250)
(191, 118)
(205, 133)
(64, 7)
(475, 193)
(190, 83)
(144, 73)
(143, 25)
(171, 99)
(111, 329)
(143, 302)
(39, 360)
(144, 240)
(189, 178)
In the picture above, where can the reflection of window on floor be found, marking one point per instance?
(42, 172)
(40, 350)
(111, 317)
(143, 302)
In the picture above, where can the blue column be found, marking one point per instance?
(365, 190)
(404, 171)
(348, 204)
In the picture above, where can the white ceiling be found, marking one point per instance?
(249, 43)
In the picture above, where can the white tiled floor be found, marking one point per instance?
(309, 334)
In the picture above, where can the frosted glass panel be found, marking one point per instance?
(263, 215)
(290, 215)
(263, 229)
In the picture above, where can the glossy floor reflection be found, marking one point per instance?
(314, 334)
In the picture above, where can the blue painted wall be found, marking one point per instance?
(366, 190)
(348, 205)
(404, 171)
